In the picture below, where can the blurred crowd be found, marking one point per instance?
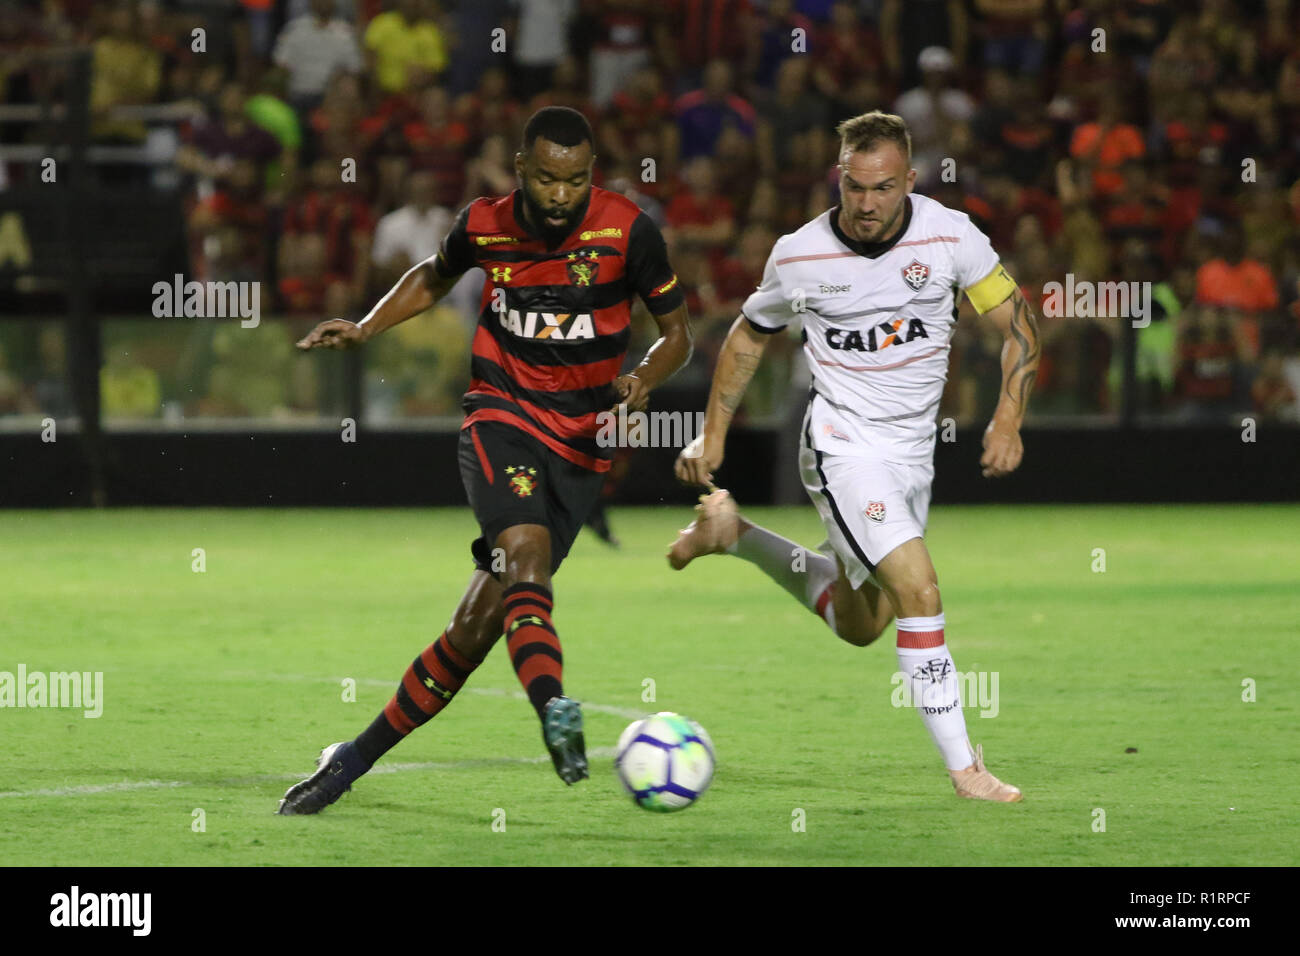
(332, 142)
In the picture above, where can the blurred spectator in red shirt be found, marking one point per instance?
(1207, 360)
(619, 34)
(440, 143)
(1138, 209)
(697, 31)
(1103, 145)
(847, 49)
(1007, 202)
(638, 125)
(701, 220)
(1234, 280)
(1191, 137)
(228, 228)
(738, 273)
(331, 220)
(1027, 137)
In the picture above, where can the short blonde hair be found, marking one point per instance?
(864, 133)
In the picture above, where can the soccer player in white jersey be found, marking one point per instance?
(874, 282)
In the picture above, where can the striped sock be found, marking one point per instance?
(532, 642)
(924, 659)
(427, 687)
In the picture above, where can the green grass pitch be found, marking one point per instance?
(220, 687)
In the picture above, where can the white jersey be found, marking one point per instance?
(878, 324)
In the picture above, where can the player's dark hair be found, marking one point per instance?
(560, 125)
(863, 133)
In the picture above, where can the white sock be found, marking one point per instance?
(936, 693)
(779, 558)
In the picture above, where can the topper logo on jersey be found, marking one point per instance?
(553, 327)
(916, 274)
(891, 333)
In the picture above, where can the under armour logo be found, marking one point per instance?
(501, 274)
(530, 619)
(433, 685)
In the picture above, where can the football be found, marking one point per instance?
(664, 761)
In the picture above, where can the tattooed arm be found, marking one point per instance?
(741, 353)
(1002, 446)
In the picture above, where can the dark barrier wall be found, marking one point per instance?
(278, 469)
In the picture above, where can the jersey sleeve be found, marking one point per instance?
(648, 270)
(979, 272)
(768, 309)
(456, 254)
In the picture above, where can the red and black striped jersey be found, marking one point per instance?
(553, 324)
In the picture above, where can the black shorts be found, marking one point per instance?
(512, 478)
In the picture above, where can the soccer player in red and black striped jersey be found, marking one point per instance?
(563, 261)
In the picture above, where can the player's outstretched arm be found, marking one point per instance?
(669, 353)
(741, 353)
(416, 291)
(1003, 448)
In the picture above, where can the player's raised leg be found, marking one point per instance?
(427, 687)
(908, 577)
(815, 580)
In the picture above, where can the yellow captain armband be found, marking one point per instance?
(992, 290)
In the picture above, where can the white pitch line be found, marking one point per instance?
(597, 753)
(92, 788)
(128, 785)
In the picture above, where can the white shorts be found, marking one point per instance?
(868, 506)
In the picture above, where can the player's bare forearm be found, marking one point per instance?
(669, 353)
(414, 292)
(741, 353)
(1003, 448)
(1020, 353)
